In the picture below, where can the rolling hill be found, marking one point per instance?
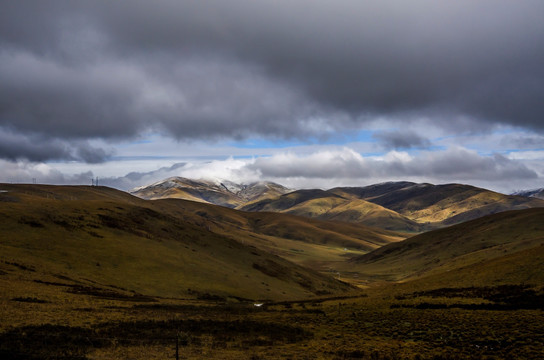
(501, 248)
(101, 237)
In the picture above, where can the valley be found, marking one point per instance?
(96, 273)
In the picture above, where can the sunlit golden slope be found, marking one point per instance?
(107, 237)
(326, 205)
(507, 246)
(289, 200)
(354, 211)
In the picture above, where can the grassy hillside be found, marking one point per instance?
(500, 248)
(107, 237)
(310, 242)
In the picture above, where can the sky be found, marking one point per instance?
(304, 93)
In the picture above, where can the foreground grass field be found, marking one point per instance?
(47, 318)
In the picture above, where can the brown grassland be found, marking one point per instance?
(93, 273)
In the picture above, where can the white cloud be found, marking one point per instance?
(230, 169)
(526, 155)
(396, 156)
(27, 172)
(345, 167)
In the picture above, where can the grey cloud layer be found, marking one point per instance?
(37, 148)
(77, 70)
(401, 139)
(453, 164)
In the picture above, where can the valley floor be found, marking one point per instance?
(388, 322)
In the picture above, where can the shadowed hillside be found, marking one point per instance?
(109, 238)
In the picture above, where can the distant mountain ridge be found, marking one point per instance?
(399, 206)
(535, 193)
(218, 192)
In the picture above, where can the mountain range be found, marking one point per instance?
(398, 206)
(536, 193)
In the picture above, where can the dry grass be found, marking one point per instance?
(384, 323)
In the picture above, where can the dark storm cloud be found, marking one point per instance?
(37, 148)
(207, 69)
(15, 147)
(90, 154)
(478, 59)
(401, 140)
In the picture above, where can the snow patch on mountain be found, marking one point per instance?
(215, 190)
(534, 193)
